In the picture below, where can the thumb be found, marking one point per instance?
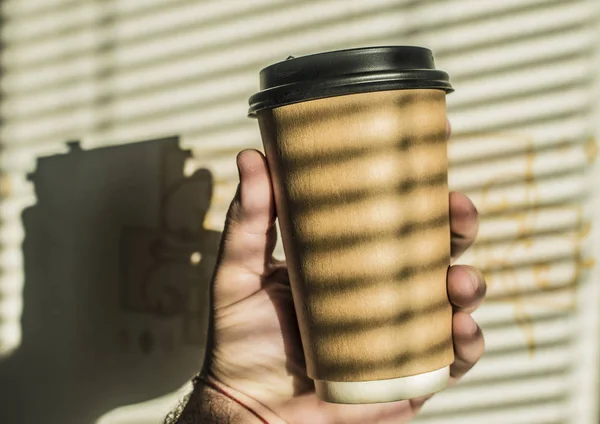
(249, 236)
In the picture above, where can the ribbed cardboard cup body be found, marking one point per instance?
(360, 184)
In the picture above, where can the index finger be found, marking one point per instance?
(464, 223)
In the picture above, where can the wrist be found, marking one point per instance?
(208, 404)
(250, 409)
(222, 408)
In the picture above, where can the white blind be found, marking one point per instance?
(113, 72)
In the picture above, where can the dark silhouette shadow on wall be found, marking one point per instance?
(117, 266)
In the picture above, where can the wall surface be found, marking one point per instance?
(106, 245)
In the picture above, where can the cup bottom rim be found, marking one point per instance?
(379, 391)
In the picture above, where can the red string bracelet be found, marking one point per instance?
(231, 397)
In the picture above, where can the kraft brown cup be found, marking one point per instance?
(360, 184)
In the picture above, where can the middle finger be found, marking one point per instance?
(466, 287)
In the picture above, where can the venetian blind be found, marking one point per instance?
(113, 72)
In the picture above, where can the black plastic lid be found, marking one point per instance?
(343, 72)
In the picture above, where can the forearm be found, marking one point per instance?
(206, 405)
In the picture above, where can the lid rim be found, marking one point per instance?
(344, 72)
(297, 93)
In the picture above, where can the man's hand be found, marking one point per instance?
(255, 353)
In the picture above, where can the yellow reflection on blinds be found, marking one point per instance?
(111, 73)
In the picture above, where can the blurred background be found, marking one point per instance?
(119, 125)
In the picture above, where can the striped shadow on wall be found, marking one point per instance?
(113, 72)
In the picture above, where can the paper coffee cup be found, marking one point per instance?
(356, 146)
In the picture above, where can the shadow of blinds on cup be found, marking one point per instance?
(113, 72)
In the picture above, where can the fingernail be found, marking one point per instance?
(471, 327)
(237, 164)
(474, 279)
